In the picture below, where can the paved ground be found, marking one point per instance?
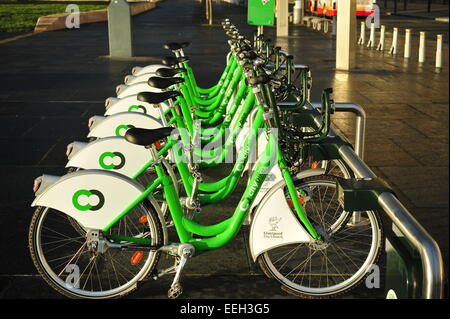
(416, 8)
(416, 25)
(53, 82)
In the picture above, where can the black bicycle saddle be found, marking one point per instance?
(171, 61)
(168, 73)
(163, 83)
(174, 46)
(145, 137)
(156, 97)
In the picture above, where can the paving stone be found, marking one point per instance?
(411, 180)
(428, 151)
(33, 109)
(25, 151)
(438, 111)
(377, 154)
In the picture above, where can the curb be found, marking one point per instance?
(441, 19)
(58, 21)
(25, 35)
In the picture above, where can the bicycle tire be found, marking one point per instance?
(53, 279)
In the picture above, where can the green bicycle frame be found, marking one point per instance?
(224, 187)
(223, 232)
(212, 91)
(213, 113)
(214, 134)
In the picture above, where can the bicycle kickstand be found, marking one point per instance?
(185, 251)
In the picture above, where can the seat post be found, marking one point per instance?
(166, 124)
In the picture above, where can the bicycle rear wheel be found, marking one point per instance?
(338, 263)
(63, 258)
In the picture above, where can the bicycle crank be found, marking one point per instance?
(185, 251)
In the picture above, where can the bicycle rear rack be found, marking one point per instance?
(418, 237)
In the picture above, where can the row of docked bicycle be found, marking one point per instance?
(135, 190)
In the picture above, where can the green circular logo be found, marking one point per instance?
(137, 108)
(111, 156)
(88, 193)
(123, 127)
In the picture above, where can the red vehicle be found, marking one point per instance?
(328, 8)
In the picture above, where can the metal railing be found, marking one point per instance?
(430, 254)
(360, 123)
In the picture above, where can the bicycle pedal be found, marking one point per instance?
(175, 291)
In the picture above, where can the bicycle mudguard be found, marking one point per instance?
(131, 104)
(74, 148)
(94, 198)
(138, 70)
(272, 178)
(275, 176)
(118, 124)
(123, 90)
(111, 153)
(274, 224)
(43, 182)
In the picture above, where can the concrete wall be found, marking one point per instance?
(58, 21)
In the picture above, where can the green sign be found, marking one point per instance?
(261, 12)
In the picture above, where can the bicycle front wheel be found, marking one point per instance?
(338, 262)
